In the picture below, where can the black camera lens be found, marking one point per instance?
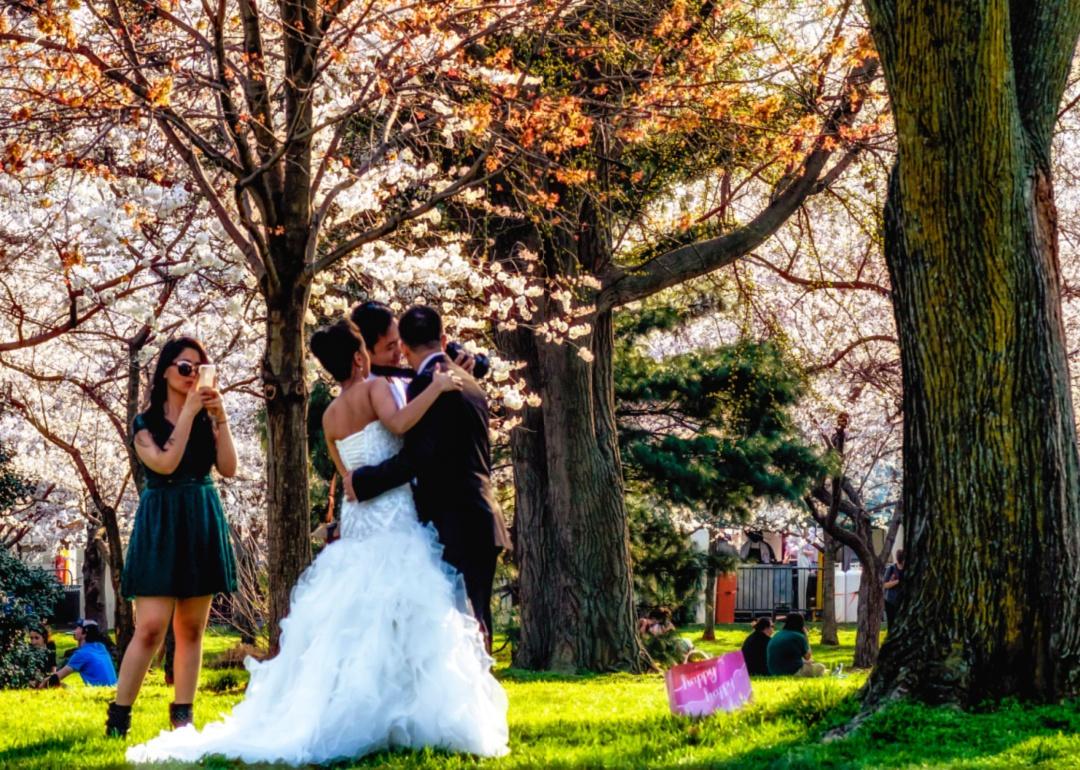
(481, 366)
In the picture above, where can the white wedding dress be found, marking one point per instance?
(378, 650)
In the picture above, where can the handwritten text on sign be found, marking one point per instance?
(697, 689)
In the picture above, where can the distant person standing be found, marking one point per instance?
(894, 577)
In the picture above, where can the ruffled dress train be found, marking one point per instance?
(378, 651)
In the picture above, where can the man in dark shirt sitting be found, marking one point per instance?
(788, 653)
(753, 648)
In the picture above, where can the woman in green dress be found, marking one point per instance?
(179, 554)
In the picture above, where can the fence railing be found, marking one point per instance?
(65, 577)
(772, 589)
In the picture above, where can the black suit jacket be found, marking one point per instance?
(448, 452)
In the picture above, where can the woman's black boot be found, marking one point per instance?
(180, 714)
(118, 721)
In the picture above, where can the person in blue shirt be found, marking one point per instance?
(92, 659)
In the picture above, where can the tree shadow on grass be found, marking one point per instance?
(905, 735)
(902, 736)
(12, 756)
(525, 676)
(911, 734)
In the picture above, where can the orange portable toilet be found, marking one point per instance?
(725, 597)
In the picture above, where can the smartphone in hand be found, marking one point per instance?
(207, 376)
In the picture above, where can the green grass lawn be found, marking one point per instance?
(616, 721)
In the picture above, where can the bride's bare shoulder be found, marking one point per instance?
(357, 396)
(330, 418)
(342, 409)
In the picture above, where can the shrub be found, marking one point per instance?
(224, 681)
(668, 570)
(234, 656)
(28, 595)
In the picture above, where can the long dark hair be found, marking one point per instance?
(159, 388)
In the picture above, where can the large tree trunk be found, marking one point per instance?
(991, 508)
(577, 604)
(288, 503)
(571, 536)
(533, 530)
(829, 634)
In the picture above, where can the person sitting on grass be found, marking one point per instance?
(754, 646)
(656, 623)
(39, 639)
(662, 641)
(788, 653)
(92, 659)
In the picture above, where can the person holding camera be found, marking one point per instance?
(357, 672)
(179, 554)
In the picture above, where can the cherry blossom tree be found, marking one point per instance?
(301, 125)
(649, 157)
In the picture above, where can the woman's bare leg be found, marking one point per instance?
(189, 623)
(152, 614)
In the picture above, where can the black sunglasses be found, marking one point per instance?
(186, 368)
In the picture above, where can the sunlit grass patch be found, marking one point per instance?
(603, 721)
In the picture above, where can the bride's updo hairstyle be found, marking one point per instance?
(335, 346)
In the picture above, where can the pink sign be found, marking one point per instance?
(698, 689)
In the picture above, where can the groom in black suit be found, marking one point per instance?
(448, 453)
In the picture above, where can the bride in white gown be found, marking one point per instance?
(379, 649)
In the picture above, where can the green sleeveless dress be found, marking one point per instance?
(180, 543)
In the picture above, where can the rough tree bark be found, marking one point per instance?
(991, 508)
(829, 633)
(288, 504)
(94, 573)
(571, 532)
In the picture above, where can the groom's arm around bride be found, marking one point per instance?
(448, 453)
(419, 451)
